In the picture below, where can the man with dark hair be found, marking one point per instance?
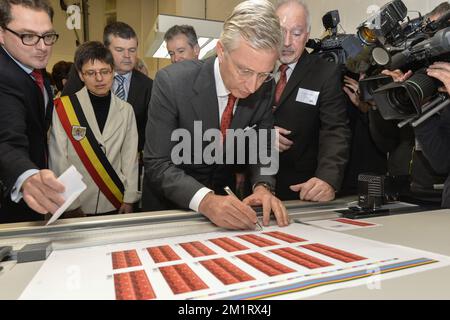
(182, 43)
(26, 104)
(437, 12)
(107, 127)
(60, 72)
(129, 84)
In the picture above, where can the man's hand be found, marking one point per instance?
(314, 190)
(42, 192)
(263, 197)
(441, 71)
(228, 212)
(126, 208)
(398, 75)
(282, 143)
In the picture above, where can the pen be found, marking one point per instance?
(231, 193)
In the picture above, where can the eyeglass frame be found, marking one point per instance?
(22, 35)
(102, 72)
(246, 73)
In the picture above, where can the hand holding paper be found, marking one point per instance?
(72, 181)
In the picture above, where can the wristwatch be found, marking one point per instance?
(265, 185)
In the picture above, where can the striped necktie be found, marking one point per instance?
(120, 91)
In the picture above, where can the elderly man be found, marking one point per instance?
(310, 114)
(26, 103)
(230, 91)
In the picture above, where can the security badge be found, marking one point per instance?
(78, 133)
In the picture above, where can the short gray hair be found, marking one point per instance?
(254, 21)
(187, 30)
(281, 3)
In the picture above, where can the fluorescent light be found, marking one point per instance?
(211, 45)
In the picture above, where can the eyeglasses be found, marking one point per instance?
(30, 39)
(93, 73)
(246, 73)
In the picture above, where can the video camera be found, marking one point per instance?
(358, 52)
(406, 100)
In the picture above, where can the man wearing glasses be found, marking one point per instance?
(94, 121)
(230, 91)
(310, 114)
(26, 104)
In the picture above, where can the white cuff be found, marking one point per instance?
(198, 197)
(16, 194)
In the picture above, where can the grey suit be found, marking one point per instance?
(183, 93)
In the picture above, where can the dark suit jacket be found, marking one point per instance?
(320, 133)
(434, 137)
(183, 93)
(23, 134)
(138, 96)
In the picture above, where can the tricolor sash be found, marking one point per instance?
(88, 149)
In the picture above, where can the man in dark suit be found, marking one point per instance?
(434, 134)
(310, 115)
(26, 104)
(129, 84)
(189, 94)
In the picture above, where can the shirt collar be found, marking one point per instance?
(127, 76)
(221, 90)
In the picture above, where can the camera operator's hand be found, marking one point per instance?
(398, 75)
(441, 71)
(282, 143)
(351, 88)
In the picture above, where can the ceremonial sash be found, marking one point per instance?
(88, 149)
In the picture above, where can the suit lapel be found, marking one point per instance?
(298, 75)
(244, 112)
(205, 102)
(114, 120)
(134, 89)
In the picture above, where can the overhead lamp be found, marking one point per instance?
(208, 33)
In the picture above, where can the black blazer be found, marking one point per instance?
(24, 123)
(138, 96)
(183, 93)
(434, 136)
(320, 132)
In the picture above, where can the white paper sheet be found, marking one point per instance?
(89, 273)
(72, 181)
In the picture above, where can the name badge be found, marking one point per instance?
(307, 96)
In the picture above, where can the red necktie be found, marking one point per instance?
(227, 115)
(39, 79)
(281, 84)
